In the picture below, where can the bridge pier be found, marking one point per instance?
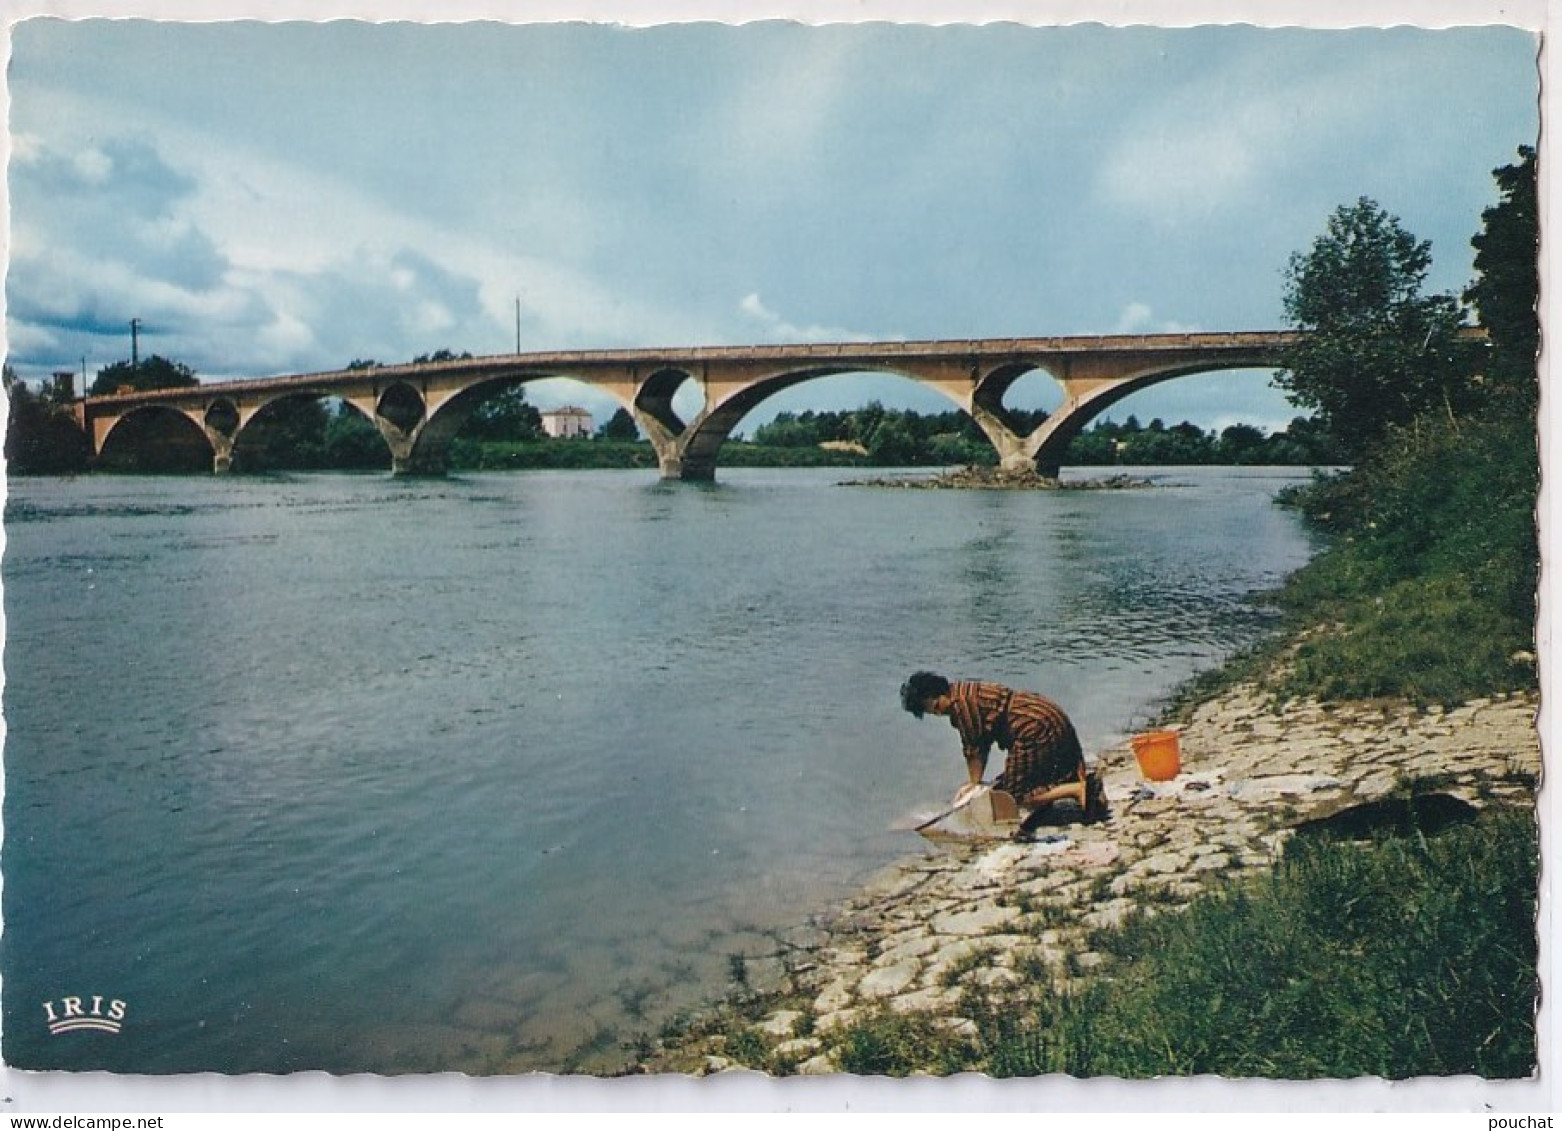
(1015, 455)
(671, 439)
(222, 452)
(221, 435)
(430, 465)
(409, 457)
(675, 468)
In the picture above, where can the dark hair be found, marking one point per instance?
(921, 687)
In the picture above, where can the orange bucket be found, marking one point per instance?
(1157, 754)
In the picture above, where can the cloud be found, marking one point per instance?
(1223, 128)
(1139, 318)
(775, 328)
(388, 306)
(239, 265)
(102, 233)
(119, 199)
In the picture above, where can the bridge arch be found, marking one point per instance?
(401, 405)
(1045, 447)
(222, 417)
(653, 406)
(700, 443)
(156, 438)
(262, 423)
(431, 441)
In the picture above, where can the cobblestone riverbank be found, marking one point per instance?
(989, 914)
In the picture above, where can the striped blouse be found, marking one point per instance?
(1043, 749)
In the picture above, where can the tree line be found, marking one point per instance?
(905, 438)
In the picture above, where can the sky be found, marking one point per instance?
(290, 197)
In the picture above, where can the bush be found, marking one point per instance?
(1405, 957)
(1428, 591)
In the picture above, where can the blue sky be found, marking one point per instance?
(273, 198)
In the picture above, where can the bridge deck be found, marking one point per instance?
(867, 352)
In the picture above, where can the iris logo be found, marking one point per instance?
(74, 1013)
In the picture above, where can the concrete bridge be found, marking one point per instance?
(419, 408)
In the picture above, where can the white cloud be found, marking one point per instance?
(1139, 318)
(775, 328)
(307, 268)
(767, 127)
(286, 336)
(25, 147)
(94, 166)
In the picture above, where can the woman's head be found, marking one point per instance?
(921, 689)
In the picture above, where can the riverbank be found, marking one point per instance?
(944, 937)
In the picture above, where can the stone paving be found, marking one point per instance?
(986, 914)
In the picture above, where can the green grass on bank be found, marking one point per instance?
(1402, 957)
(1429, 592)
(1427, 589)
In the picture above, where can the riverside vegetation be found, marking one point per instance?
(1404, 947)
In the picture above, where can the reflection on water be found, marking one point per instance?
(362, 774)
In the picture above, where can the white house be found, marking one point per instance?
(567, 422)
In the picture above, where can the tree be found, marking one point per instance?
(352, 441)
(505, 417)
(1375, 351)
(1241, 444)
(155, 372)
(787, 430)
(620, 426)
(891, 443)
(288, 434)
(41, 435)
(1507, 288)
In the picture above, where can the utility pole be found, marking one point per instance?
(135, 345)
(517, 323)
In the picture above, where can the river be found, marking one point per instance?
(490, 773)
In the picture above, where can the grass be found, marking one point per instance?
(1427, 640)
(1405, 956)
(1428, 594)
(892, 1044)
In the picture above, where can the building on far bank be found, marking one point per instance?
(567, 422)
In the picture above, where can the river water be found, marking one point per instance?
(490, 773)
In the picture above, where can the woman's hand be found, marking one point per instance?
(965, 792)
